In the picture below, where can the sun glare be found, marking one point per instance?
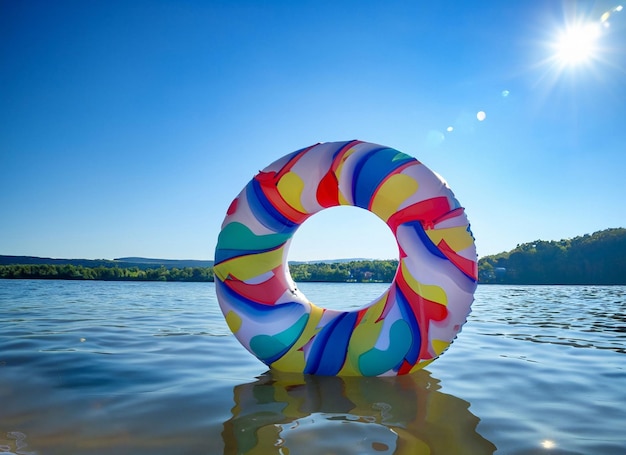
(577, 44)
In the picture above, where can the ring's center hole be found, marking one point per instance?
(343, 257)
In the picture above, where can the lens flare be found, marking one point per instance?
(604, 19)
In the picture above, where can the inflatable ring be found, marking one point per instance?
(403, 330)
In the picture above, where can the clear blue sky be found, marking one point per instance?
(127, 127)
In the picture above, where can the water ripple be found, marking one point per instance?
(98, 368)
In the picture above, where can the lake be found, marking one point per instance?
(151, 368)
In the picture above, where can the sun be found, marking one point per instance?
(580, 46)
(577, 44)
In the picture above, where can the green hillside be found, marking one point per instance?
(598, 258)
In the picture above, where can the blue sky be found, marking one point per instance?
(127, 127)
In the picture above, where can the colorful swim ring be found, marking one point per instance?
(403, 330)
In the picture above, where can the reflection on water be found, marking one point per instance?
(293, 413)
(101, 368)
(276, 414)
(15, 444)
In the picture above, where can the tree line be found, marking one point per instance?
(353, 271)
(117, 273)
(598, 258)
(365, 271)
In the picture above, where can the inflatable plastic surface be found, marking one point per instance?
(403, 330)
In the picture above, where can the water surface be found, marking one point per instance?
(151, 368)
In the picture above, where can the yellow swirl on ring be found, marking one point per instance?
(407, 327)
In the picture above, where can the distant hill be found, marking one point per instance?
(142, 263)
(598, 258)
(331, 261)
(34, 260)
(167, 263)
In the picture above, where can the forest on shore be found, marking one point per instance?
(598, 258)
(351, 271)
(115, 272)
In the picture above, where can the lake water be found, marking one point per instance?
(151, 368)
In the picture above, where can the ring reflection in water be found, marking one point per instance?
(286, 413)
